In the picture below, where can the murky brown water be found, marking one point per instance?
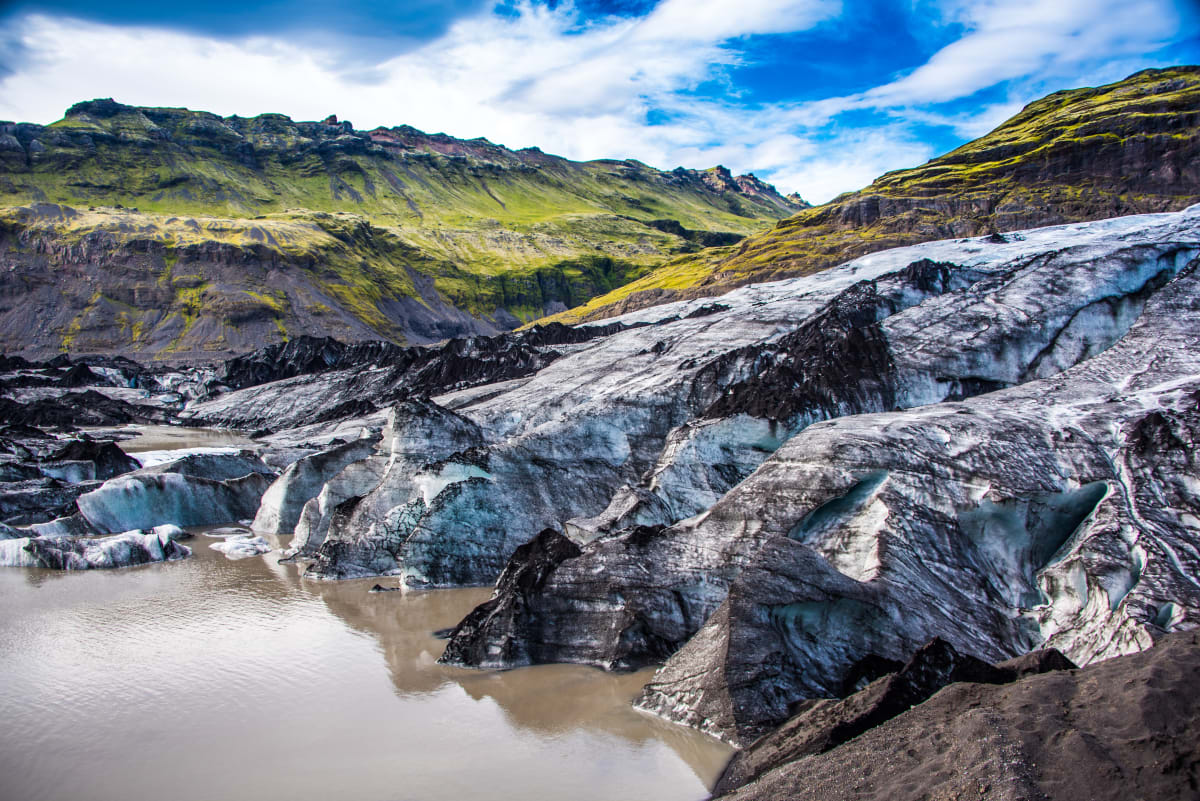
(164, 438)
(217, 679)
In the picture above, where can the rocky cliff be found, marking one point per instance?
(1085, 154)
(174, 234)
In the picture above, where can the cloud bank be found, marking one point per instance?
(665, 86)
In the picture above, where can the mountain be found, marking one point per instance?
(1085, 154)
(169, 233)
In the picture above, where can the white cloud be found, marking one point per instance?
(1011, 39)
(540, 77)
(718, 20)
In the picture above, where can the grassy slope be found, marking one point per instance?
(492, 228)
(1126, 148)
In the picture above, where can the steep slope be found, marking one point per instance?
(171, 233)
(1086, 154)
(1126, 728)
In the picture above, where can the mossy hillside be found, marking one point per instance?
(173, 285)
(177, 161)
(1126, 148)
(359, 222)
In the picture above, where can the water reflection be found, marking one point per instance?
(547, 699)
(212, 678)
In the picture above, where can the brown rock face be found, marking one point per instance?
(1121, 729)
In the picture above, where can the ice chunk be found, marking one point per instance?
(129, 548)
(241, 546)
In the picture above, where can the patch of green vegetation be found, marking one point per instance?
(1068, 157)
(364, 219)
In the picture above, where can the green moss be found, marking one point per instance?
(1037, 164)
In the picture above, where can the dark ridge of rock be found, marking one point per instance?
(108, 458)
(1119, 729)
(46, 378)
(867, 670)
(357, 380)
(1034, 662)
(75, 409)
(39, 500)
(8, 363)
(80, 375)
(11, 430)
(838, 357)
(707, 309)
(526, 573)
(306, 355)
(822, 725)
(838, 361)
(300, 356)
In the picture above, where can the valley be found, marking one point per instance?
(892, 497)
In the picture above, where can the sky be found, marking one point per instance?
(816, 96)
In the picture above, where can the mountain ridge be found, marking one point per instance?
(174, 234)
(1075, 155)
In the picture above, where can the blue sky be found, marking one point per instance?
(817, 96)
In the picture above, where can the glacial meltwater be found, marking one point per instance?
(214, 678)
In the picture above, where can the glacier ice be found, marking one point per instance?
(241, 546)
(129, 548)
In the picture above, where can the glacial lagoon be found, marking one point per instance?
(216, 678)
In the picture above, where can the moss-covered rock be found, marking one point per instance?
(170, 232)
(1127, 148)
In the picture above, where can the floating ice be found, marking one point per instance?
(241, 546)
(129, 548)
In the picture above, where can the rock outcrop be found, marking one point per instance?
(1125, 728)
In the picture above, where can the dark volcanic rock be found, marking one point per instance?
(1124, 728)
(39, 500)
(80, 375)
(459, 362)
(108, 458)
(75, 409)
(311, 380)
(823, 725)
(526, 573)
(300, 356)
